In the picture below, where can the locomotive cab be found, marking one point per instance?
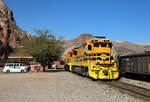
(100, 50)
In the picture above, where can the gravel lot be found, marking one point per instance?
(57, 87)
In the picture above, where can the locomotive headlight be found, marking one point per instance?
(98, 62)
(112, 61)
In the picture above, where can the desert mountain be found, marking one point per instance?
(10, 33)
(77, 42)
(127, 47)
(143, 44)
(120, 46)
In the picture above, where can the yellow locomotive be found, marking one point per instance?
(96, 59)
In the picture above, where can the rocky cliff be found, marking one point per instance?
(10, 33)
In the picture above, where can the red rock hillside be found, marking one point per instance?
(10, 33)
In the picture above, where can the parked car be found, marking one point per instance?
(15, 67)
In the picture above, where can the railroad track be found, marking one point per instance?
(130, 89)
(133, 90)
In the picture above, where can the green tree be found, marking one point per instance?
(44, 47)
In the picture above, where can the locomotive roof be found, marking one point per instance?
(100, 39)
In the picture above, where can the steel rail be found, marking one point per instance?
(132, 89)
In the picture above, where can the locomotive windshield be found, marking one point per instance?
(96, 45)
(103, 45)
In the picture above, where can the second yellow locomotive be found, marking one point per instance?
(96, 59)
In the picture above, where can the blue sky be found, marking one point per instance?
(127, 20)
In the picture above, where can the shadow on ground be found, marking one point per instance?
(55, 70)
(145, 78)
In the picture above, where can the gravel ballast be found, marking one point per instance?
(139, 83)
(57, 87)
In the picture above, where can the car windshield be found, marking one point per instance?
(9, 64)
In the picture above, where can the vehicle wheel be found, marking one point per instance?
(22, 71)
(8, 71)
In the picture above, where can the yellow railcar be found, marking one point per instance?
(96, 59)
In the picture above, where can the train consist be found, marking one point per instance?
(96, 59)
(135, 64)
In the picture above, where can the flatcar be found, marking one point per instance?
(96, 59)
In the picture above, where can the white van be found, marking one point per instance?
(15, 67)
